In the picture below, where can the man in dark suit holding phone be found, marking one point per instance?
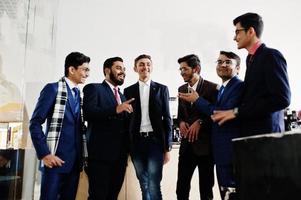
(195, 129)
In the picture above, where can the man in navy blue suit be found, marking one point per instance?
(150, 128)
(266, 92)
(229, 95)
(60, 146)
(106, 111)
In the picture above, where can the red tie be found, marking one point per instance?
(116, 94)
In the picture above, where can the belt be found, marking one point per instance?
(228, 189)
(147, 134)
(228, 192)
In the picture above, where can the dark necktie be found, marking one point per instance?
(76, 99)
(250, 58)
(220, 93)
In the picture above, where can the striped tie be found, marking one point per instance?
(76, 99)
(220, 93)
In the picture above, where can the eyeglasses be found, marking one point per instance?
(183, 69)
(86, 69)
(238, 30)
(221, 62)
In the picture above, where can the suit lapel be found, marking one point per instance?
(199, 89)
(137, 106)
(122, 97)
(137, 97)
(152, 94)
(110, 93)
(185, 90)
(227, 89)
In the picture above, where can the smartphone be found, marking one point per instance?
(190, 90)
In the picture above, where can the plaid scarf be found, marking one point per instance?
(56, 123)
(84, 131)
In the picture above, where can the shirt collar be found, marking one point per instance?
(111, 85)
(70, 83)
(194, 87)
(226, 82)
(147, 83)
(254, 48)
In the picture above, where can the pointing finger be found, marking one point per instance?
(129, 101)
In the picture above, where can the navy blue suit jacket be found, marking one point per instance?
(158, 112)
(222, 135)
(266, 93)
(70, 143)
(107, 131)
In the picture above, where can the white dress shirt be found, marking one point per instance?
(194, 87)
(144, 89)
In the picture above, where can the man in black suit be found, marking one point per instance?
(150, 128)
(195, 128)
(106, 110)
(267, 90)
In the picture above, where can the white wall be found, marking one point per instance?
(170, 29)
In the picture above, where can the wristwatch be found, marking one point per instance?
(235, 111)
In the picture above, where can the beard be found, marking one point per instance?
(188, 78)
(115, 80)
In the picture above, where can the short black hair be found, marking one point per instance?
(141, 57)
(75, 59)
(250, 20)
(231, 55)
(109, 63)
(192, 60)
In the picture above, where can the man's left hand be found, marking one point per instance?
(193, 131)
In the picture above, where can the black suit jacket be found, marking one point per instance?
(266, 93)
(107, 131)
(159, 113)
(187, 112)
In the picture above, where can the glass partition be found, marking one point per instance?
(27, 38)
